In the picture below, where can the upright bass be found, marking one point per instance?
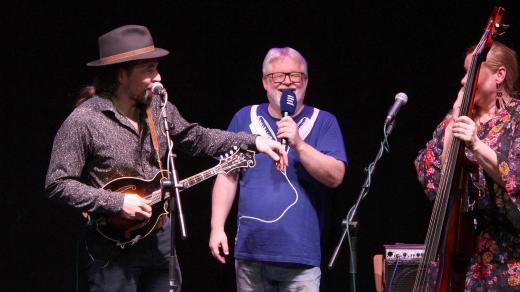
(449, 239)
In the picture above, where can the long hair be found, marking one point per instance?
(104, 81)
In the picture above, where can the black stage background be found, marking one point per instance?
(360, 54)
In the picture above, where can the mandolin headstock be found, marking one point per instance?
(237, 158)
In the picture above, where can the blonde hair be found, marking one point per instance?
(500, 55)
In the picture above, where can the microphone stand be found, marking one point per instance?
(170, 189)
(349, 224)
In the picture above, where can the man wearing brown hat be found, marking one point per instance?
(111, 136)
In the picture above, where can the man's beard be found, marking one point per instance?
(142, 99)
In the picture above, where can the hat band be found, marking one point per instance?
(124, 55)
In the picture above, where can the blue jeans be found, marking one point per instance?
(255, 276)
(142, 267)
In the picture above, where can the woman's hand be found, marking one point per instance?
(466, 130)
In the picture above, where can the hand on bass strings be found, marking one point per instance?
(466, 130)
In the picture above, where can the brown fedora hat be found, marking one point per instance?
(126, 43)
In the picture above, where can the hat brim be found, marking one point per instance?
(156, 53)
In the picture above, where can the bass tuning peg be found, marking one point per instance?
(501, 26)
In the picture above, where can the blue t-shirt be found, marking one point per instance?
(278, 216)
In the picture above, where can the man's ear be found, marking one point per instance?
(122, 76)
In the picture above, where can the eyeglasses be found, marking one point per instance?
(279, 77)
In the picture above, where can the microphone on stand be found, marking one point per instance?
(158, 89)
(400, 100)
(287, 107)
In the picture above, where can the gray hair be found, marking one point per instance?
(276, 53)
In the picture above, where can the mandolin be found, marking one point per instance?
(123, 231)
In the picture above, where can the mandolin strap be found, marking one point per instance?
(153, 134)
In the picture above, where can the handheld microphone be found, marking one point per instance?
(287, 107)
(158, 89)
(400, 100)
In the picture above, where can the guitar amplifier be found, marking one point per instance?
(404, 259)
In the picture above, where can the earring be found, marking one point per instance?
(500, 103)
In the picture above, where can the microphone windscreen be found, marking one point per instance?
(402, 96)
(157, 88)
(288, 102)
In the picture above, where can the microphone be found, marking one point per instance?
(400, 100)
(158, 89)
(287, 108)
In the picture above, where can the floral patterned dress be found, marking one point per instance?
(495, 266)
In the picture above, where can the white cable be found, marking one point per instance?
(283, 213)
